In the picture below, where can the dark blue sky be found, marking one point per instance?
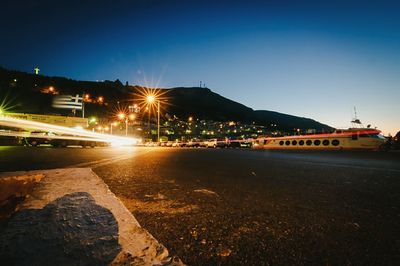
(308, 58)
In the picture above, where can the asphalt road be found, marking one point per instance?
(244, 207)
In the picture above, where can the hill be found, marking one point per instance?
(23, 92)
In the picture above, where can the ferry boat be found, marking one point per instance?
(348, 139)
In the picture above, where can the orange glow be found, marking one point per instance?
(150, 99)
(132, 117)
(100, 99)
(149, 96)
(121, 115)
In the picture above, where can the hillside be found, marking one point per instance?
(21, 92)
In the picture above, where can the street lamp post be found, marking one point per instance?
(150, 100)
(158, 121)
(122, 116)
(113, 124)
(126, 126)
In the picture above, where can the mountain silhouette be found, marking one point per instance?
(21, 92)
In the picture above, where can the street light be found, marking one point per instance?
(150, 99)
(121, 116)
(113, 124)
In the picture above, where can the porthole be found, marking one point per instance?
(335, 142)
(287, 142)
(294, 142)
(308, 142)
(301, 142)
(325, 142)
(317, 142)
(281, 142)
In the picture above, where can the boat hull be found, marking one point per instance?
(343, 141)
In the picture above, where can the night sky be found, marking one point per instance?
(316, 59)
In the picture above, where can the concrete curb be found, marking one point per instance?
(138, 247)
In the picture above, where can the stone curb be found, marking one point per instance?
(137, 246)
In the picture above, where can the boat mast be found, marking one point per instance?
(355, 120)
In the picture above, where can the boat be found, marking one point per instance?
(346, 139)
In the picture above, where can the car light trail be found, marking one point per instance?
(78, 134)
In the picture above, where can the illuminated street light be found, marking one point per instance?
(150, 100)
(121, 116)
(132, 117)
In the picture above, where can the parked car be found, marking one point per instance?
(217, 143)
(175, 144)
(194, 143)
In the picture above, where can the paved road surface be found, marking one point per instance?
(228, 207)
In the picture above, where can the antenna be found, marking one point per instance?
(355, 113)
(355, 119)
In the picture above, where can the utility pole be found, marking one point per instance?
(158, 121)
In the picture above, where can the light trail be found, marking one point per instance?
(77, 134)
